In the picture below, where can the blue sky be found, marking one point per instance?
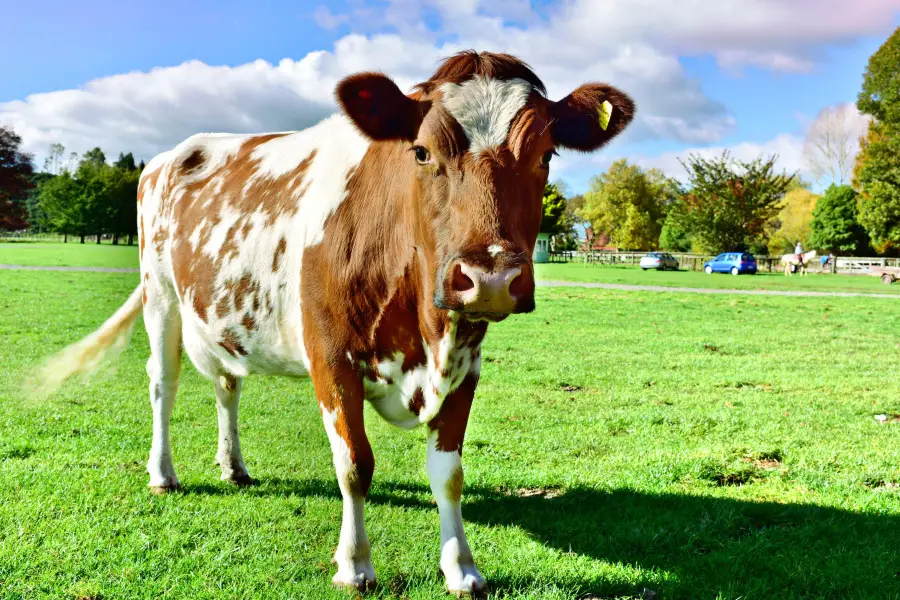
(746, 75)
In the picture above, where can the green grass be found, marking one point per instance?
(700, 446)
(92, 255)
(68, 255)
(696, 279)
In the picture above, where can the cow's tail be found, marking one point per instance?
(85, 356)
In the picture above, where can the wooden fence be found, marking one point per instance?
(845, 265)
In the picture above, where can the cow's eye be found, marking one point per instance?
(547, 157)
(423, 156)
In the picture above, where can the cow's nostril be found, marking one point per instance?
(460, 281)
(518, 287)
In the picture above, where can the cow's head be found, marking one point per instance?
(480, 136)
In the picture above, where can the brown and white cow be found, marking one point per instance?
(369, 251)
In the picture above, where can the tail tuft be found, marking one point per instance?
(85, 356)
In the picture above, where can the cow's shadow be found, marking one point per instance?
(689, 546)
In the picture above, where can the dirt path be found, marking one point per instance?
(582, 284)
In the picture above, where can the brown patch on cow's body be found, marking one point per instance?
(238, 184)
(248, 322)
(417, 402)
(279, 253)
(450, 422)
(232, 344)
(193, 162)
(455, 485)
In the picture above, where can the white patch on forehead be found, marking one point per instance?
(485, 107)
(495, 250)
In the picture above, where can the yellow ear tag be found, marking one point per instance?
(605, 112)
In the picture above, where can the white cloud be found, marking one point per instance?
(633, 44)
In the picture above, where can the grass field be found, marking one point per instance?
(68, 255)
(699, 446)
(697, 279)
(78, 255)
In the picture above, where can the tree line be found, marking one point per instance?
(80, 196)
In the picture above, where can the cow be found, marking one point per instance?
(370, 252)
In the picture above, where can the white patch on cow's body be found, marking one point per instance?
(444, 472)
(494, 250)
(485, 107)
(393, 390)
(275, 346)
(353, 554)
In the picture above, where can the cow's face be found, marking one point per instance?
(481, 151)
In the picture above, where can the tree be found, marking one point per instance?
(58, 198)
(730, 201)
(831, 143)
(15, 180)
(53, 164)
(793, 222)
(125, 162)
(877, 171)
(628, 204)
(675, 234)
(554, 207)
(94, 157)
(834, 227)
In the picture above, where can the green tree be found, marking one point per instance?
(877, 171)
(730, 201)
(125, 162)
(834, 226)
(58, 199)
(15, 180)
(675, 234)
(554, 207)
(628, 204)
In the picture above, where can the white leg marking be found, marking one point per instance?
(229, 457)
(446, 478)
(163, 326)
(353, 555)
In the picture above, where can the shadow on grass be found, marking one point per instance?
(710, 547)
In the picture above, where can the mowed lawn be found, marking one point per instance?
(699, 446)
(92, 255)
(632, 275)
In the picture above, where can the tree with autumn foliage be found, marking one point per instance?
(729, 201)
(629, 204)
(877, 170)
(793, 223)
(15, 181)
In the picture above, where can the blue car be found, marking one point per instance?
(735, 263)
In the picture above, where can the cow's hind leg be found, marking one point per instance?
(163, 323)
(228, 395)
(445, 439)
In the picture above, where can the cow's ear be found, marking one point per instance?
(590, 116)
(379, 108)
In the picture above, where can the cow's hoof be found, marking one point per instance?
(160, 490)
(360, 582)
(467, 582)
(239, 479)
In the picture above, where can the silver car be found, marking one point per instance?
(659, 261)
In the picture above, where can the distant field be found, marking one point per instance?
(68, 255)
(702, 446)
(92, 255)
(697, 279)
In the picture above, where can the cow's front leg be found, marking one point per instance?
(341, 402)
(445, 439)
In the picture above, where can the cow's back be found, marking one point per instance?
(223, 223)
